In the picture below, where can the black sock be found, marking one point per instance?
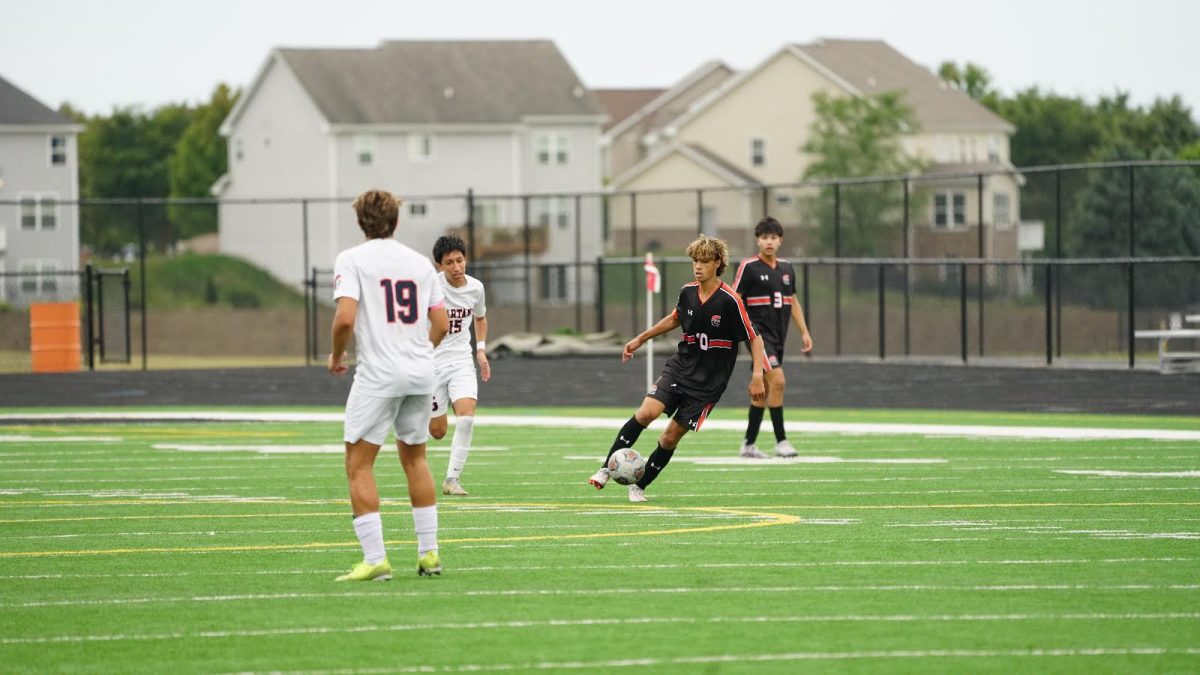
(777, 422)
(654, 466)
(754, 421)
(626, 437)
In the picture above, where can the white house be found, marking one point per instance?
(39, 170)
(427, 120)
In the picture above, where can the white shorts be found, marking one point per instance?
(451, 384)
(368, 418)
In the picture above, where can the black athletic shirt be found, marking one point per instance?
(708, 351)
(767, 292)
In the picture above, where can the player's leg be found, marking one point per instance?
(775, 383)
(646, 413)
(365, 430)
(658, 460)
(411, 427)
(754, 415)
(438, 420)
(464, 392)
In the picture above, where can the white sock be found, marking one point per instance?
(460, 446)
(369, 528)
(425, 523)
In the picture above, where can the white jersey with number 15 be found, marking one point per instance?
(464, 304)
(395, 288)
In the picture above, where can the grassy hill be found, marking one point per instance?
(199, 280)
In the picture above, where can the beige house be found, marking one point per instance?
(740, 143)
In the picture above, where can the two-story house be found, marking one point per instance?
(39, 171)
(750, 130)
(427, 120)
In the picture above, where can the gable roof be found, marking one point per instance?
(440, 82)
(659, 112)
(621, 103)
(874, 66)
(17, 107)
(698, 155)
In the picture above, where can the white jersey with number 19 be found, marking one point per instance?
(395, 288)
(464, 304)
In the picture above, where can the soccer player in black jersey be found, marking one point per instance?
(713, 320)
(768, 287)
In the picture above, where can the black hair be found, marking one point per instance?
(768, 225)
(447, 244)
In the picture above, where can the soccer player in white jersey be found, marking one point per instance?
(389, 298)
(455, 371)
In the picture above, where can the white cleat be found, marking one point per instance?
(751, 451)
(599, 479)
(636, 494)
(784, 449)
(451, 486)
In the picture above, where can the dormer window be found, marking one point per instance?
(58, 151)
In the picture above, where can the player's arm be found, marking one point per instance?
(439, 324)
(758, 390)
(801, 325)
(669, 323)
(343, 329)
(485, 368)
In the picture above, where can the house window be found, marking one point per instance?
(949, 210)
(554, 282)
(1001, 212)
(364, 149)
(238, 153)
(38, 210)
(420, 147)
(38, 276)
(418, 209)
(58, 150)
(553, 210)
(486, 214)
(552, 148)
(993, 154)
(758, 152)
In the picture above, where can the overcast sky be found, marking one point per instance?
(98, 55)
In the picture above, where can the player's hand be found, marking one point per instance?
(485, 368)
(630, 347)
(806, 343)
(336, 365)
(758, 390)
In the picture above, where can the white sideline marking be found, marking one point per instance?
(608, 591)
(60, 439)
(802, 459)
(1130, 474)
(958, 430)
(558, 623)
(320, 449)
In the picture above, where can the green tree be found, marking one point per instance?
(972, 79)
(200, 158)
(1165, 203)
(859, 137)
(1050, 129)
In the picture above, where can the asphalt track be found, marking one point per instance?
(595, 381)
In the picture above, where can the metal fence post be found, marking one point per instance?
(882, 316)
(471, 224)
(808, 313)
(837, 270)
(700, 212)
(1132, 222)
(1058, 253)
(599, 294)
(578, 264)
(1132, 313)
(907, 270)
(308, 346)
(962, 308)
(1049, 313)
(88, 334)
(528, 273)
(141, 221)
(982, 256)
(313, 326)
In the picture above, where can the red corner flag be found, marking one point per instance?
(653, 279)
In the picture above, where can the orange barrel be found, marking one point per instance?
(54, 337)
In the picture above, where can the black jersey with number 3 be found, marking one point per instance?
(711, 330)
(767, 292)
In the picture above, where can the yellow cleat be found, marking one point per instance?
(364, 571)
(429, 564)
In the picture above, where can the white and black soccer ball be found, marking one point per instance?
(626, 466)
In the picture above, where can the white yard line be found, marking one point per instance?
(958, 430)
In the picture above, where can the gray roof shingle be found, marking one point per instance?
(874, 66)
(17, 107)
(408, 82)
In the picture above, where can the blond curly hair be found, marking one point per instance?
(708, 248)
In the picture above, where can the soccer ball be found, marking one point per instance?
(626, 466)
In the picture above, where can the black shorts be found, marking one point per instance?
(772, 345)
(687, 410)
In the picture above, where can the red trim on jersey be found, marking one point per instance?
(758, 300)
(737, 278)
(440, 305)
(720, 344)
(704, 415)
(787, 300)
(750, 334)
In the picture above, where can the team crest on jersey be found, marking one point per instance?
(787, 278)
(716, 320)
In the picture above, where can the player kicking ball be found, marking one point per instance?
(713, 320)
(768, 287)
(388, 297)
(455, 371)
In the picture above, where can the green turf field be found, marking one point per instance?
(184, 547)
